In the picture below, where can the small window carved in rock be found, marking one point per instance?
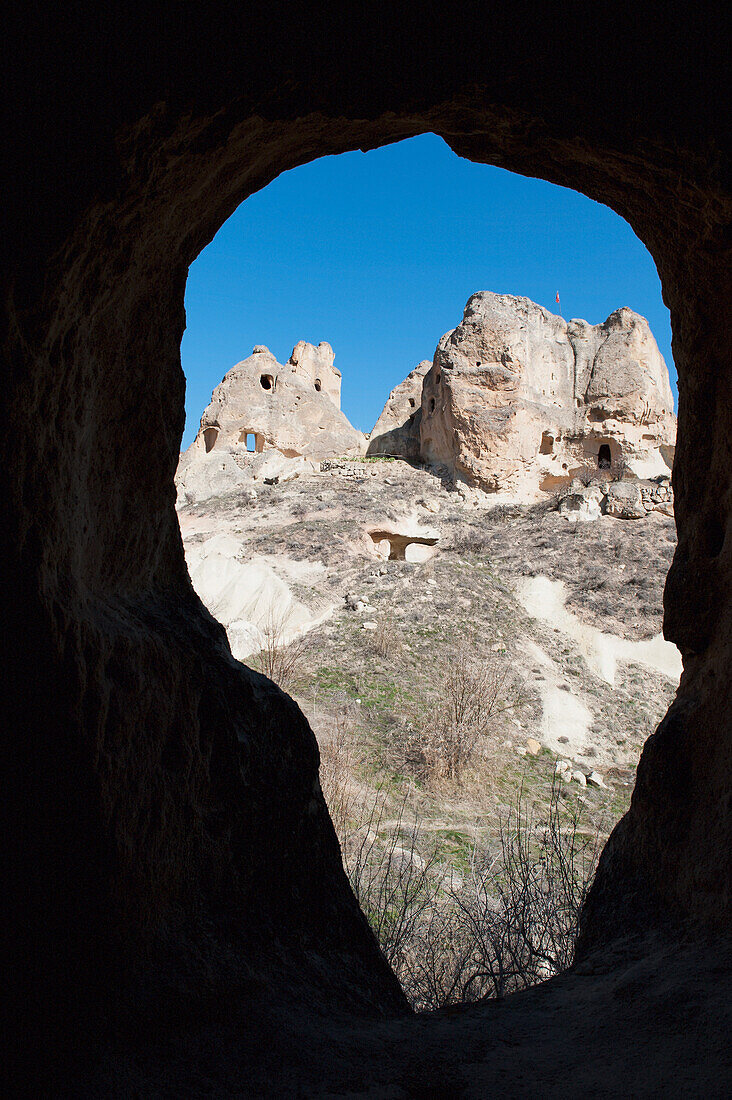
(604, 457)
(253, 441)
(318, 385)
(210, 435)
(266, 381)
(411, 402)
(432, 404)
(547, 444)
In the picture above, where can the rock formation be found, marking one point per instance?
(164, 830)
(517, 399)
(397, 431)
(261, 406)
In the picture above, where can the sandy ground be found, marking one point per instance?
(564, 714)
(653, 1024)
(251, 595)
(545, 599)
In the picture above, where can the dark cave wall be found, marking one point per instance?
(156, 792)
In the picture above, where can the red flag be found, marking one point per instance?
(557, 297)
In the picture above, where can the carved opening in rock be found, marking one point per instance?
(210, 435)
(399, 546)
(394, 546)
(604, 457)
(253, 441)
(267, 382)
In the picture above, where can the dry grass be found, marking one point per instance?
(338, 762)
(387, 641)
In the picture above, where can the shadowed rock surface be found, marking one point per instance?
(396, 432)
(174, 872)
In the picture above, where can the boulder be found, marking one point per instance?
(200, 476)
(582, 506)
(274, 468)
(624, 499)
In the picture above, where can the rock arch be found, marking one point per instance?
(159, 795)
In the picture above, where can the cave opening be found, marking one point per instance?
(168, 798)
(305, 534)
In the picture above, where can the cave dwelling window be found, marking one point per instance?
(210, 435)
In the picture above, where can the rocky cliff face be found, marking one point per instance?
(262, 405)
(396, 432)
(518, 399)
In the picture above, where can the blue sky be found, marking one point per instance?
(378, 252)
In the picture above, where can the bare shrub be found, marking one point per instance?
(470, 541)
(503, 513)
(522, 908)
(619, 469)
(471, 694)
(510, 922)
(393, 882)
(386, 640)
(279, 659)
(589, 474)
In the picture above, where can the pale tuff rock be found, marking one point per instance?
(315, 365)
(263, 406)
(397, 431)
(519, 400)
